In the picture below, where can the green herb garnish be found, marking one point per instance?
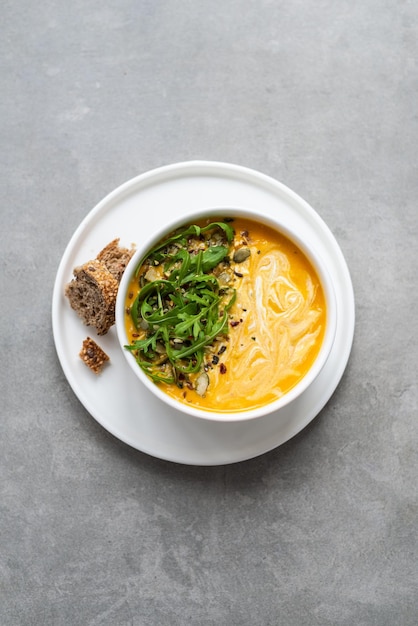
(185, 310)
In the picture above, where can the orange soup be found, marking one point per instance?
(262, 310)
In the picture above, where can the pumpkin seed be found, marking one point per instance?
(241, 255)
(202, 383)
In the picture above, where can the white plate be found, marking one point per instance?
(115, 398)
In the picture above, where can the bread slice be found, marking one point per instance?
(93, 355)
(92, 294)
(115, 258)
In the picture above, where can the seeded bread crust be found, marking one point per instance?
(115, 258)
(93, 355)
(92, 294)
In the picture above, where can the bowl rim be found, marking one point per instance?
(278, 223)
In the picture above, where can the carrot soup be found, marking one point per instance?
(225, 315)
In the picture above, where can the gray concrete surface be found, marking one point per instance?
(321, 95)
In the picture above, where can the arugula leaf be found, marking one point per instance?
(212, 257)
(229, 231)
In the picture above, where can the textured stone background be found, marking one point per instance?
(321, 95)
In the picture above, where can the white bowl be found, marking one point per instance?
(279, 224)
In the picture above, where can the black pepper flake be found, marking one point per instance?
(238, 274)
(221, 349)
(215, 360)
(234, 323)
